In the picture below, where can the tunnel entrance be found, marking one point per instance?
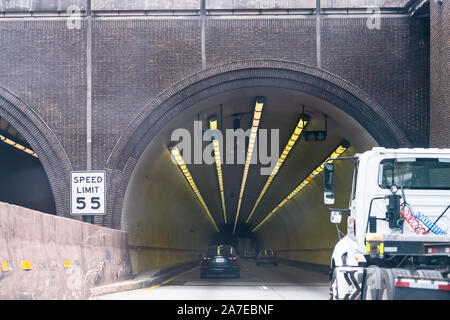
(173, 210)
(23, 180)
(166, 221)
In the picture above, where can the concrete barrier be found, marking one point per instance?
(50, 257)
(145, 279)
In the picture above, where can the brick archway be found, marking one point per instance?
(44, 142)
(241, 74)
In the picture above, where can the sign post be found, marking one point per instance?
(87, 193)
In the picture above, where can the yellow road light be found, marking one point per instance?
(179, 159)
(295, 135)
(255, 124)
(337, 153)
(213, 126)
(18, 146)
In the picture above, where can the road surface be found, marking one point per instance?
(256, 283)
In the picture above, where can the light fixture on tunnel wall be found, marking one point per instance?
(213, 126)
(319, 135)
(18, 146)
(259, 104)
(344, 145)
(295, 135)
(182, 165)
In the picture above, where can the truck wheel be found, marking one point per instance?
(371, 290)
(388, 276)
(333, 285)
(433, 274)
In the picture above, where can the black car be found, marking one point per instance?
(220, 259)
(266, 256)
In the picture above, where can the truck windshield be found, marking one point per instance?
(419, 174)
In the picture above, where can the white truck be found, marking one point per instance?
(397, 244)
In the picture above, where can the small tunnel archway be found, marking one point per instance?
(51, 167)
(165, 222)
(23, 180)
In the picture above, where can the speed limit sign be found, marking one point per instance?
(87, 192)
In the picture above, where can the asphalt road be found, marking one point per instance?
(256, 283)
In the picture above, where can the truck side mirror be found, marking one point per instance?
(328, 184)
(335, 217)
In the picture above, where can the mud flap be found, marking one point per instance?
(417, 288)
(346, 283)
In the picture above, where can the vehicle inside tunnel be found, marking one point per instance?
(186, 194)
(23, 180)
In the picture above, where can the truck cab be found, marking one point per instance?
(398, 224)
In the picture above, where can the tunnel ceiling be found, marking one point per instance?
(282, 109)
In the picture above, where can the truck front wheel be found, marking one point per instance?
(333, 285)
(372, 284)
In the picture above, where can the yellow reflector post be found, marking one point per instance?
(4, 266)
(337, 153)
(25, 265)
(67, 264)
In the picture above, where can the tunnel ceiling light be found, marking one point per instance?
(18, 146)
(213, 126)
(182, 165)
(337, 153)
(295, 135)
(251, 144)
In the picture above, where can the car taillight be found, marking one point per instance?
(234, 258)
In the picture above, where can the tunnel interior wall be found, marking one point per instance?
(23, 181)
(440, 68)
(94, 255)
(303, 228)
(166, 222)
